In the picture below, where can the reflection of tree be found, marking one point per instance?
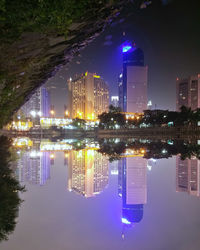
(112, 149)
(9, 187)
(153, 149)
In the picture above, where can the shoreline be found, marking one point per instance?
(189, 132)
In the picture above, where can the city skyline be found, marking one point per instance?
(100, 125)
(165, 59)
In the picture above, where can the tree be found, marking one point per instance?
(78, 123)
(184, 116)
(114, 109)
(113, 119)
(9, 188)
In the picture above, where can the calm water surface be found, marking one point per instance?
(78, 200)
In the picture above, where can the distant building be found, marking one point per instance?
(38, 105)
(88, 172)
(133, 81)
(88, 96)
(188, 92)
(132, 188)
(188, 176)
(115, 101)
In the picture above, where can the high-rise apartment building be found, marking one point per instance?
(188, 176)
(88, 172)
(132, 188)
(188, 92)
(133, 81)
(88, 96)
(38, 105)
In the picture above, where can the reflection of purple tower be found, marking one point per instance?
(132, 188)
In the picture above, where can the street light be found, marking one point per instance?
(66, 113)
(52, 112)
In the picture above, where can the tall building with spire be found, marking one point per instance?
(133, 80)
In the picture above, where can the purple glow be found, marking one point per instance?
(125, 221)
(126, 48)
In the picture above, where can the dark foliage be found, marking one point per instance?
(9, 187)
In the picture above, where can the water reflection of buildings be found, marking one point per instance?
(88, 172)
(188, 176)
(34, 167)
(132, 188)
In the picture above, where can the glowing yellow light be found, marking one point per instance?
(52, 156)
(66, 113)
(52, 112)
(90, 116)
(142, 151)
(95, 76)
(80, 154)
(22, 142)
(86, 73)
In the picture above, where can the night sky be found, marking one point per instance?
(169, 35)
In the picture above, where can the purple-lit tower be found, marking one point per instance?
(133, 80)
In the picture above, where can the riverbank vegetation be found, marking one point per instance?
(9, 190)
(115, 119)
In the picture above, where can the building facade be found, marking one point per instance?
(38, 105)
(88, 172)
(133, 81)
(88, 97)
(188, 176)
(188, 92)
(34, 168)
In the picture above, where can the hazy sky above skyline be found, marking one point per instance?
(169, 37)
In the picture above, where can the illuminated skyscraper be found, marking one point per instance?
(88, 172)
(188, 92)
(133, 81)
(188, 176)
(88, 96)
(132, 188)
(38, 105)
